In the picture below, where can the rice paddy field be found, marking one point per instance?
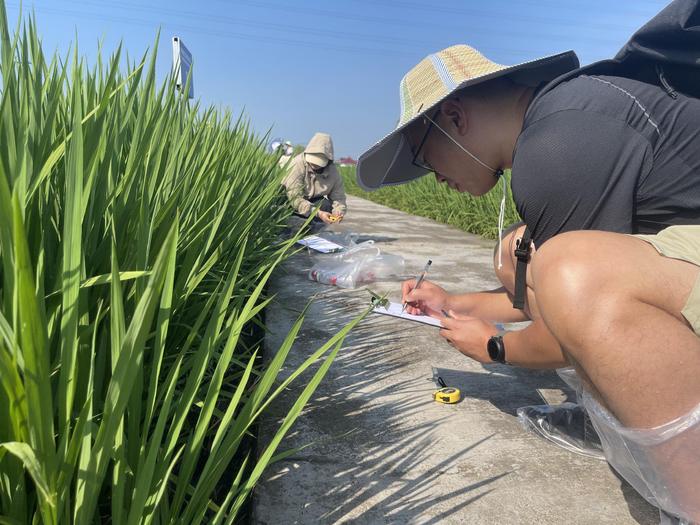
(427, 198)
(138, 231)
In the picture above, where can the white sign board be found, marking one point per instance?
(182, 64)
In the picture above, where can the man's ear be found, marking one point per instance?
(455, 114)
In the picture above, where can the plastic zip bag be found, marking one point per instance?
(362, 263)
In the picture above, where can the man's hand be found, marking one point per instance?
(429, 299)
(325, 217)
(469, 335)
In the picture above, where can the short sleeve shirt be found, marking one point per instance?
(607, 153)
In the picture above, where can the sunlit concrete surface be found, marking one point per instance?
(382, 451)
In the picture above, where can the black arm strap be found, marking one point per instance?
(522, 253)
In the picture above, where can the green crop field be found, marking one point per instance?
(427, 198)
(137, 234)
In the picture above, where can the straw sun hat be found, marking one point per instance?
(436, 77)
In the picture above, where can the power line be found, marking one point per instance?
(337, 15)
(432, 8)
(508, 15)
(269, 39)
(210, 32)
(253, 23)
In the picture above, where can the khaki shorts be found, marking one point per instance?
(681, 242)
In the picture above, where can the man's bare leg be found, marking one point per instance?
(615, 306)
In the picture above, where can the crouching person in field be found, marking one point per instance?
(606, 177)
(313, 181)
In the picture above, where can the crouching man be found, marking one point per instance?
(594, 158)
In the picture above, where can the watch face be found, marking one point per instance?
(492, 347)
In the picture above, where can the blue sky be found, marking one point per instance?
(308, 66)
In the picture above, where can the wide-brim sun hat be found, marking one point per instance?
(423, 88)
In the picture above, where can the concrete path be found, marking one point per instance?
(383, 451)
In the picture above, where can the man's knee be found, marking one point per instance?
(564, 266)
(573, 286)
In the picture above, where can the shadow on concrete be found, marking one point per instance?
(382, 450)
(375, 238)
(404, 496)
(503, 381)
(380, 463)
(640, 509)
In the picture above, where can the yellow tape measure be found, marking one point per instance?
(447, 395)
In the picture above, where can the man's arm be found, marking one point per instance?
(492, 305)
(474, 313)
(533, 347)
(432, 299)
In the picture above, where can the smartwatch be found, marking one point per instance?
(496, 349)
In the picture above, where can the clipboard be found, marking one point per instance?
(394, 310)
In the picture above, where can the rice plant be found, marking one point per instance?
(137, 234)
(427, 198)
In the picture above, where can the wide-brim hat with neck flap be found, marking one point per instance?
(436, 77)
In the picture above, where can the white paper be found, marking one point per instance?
(394, 309)
(320, 244)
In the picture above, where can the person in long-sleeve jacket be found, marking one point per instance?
(313, 181)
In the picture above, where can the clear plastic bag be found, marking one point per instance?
(661, 463)
(362, 263)
(566, 425)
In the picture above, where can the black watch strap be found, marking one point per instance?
(496, 349)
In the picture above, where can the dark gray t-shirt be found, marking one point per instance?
(607, 153)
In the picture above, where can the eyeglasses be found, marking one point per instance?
(420, 163)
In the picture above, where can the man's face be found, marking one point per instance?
(445, 159)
